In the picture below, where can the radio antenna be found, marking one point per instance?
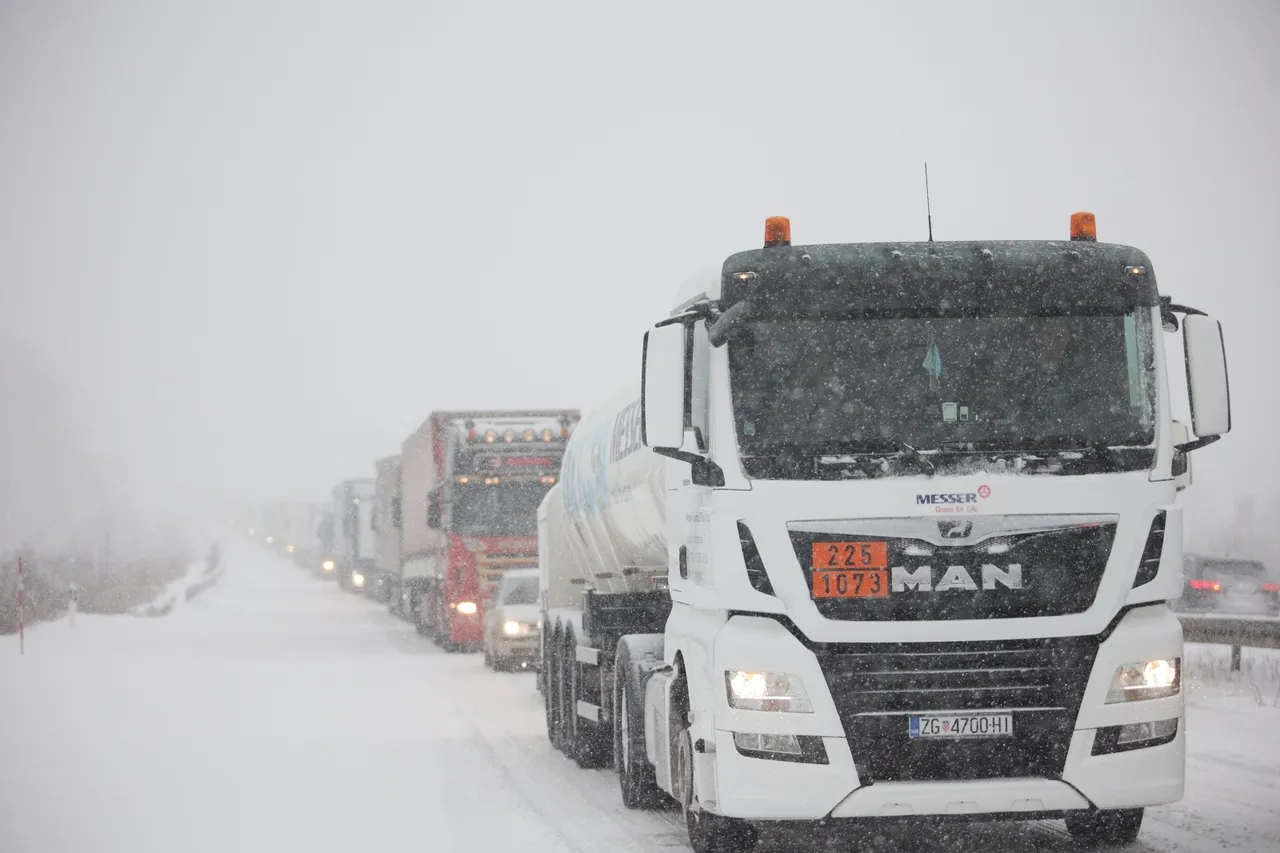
(928, 206)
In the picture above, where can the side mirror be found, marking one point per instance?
(433, 511)
(1181, 458)
(1207, 376)
(397, 519)
(662, 387)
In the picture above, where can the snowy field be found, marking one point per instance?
(275, 712)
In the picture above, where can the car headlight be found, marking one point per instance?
(327, 565)
(467, 608)
(1150, 679)
(767, 691)
(289, 548)
(512, 629)
(357, 579)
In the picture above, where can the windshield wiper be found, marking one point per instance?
(870, 455)
(906, 451)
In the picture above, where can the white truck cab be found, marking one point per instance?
(886, 530)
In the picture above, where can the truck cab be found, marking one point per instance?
(471, 485)
(912, 509)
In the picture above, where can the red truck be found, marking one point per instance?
(470, 485)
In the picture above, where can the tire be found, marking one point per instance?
(564, 722)
(636, 776)
(1111, 827)
(549, 691)
(708, 833)
(489, 661)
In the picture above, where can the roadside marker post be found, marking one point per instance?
(22, 628)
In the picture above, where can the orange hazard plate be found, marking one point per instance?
(850, 569)
(850, 555)
(851, 584)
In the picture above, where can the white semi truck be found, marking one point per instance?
(882, 531)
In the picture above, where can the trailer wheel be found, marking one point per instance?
(550, 690)
(564, 708)
(636, 775)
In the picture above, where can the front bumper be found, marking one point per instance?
(872, 769)
(523, 647)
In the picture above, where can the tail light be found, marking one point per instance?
(756, 573)
(1149, 562)
(1271, 587)
(1206, 586)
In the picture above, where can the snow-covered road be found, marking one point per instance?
(278, 713)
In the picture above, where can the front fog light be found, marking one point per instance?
(467, 608)
(752, 742)
(1152, 679)
(1138, 732)
(511, 629)
(767, 691)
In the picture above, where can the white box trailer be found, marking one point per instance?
(354, 546)
(386, 529)
(885, 530)
(301, 535)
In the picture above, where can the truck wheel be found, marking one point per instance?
(635, 774)
(708, 833)
(1109, 827)
(550, 691)
(564, 708)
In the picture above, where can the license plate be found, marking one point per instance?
(960, 725)
(850, 555)
(851, 584)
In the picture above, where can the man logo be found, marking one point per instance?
(955, 529)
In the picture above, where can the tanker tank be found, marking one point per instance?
(606, 519)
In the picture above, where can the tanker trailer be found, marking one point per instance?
(885, 530)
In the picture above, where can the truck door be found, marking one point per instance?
(689, 504)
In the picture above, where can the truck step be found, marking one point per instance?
(588, 711)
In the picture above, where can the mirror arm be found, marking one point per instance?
(705, 472)
(1198, 443)
(1169, 310)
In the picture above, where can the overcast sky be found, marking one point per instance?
(257, 242)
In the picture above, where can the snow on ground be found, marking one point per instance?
(275, 712)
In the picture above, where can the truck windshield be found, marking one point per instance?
(506, 509)
(815, 385)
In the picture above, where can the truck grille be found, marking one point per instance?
(877, 687)
(1060, 566)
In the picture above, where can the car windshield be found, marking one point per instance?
(520, 591)
(1012, 383)
(505, 509)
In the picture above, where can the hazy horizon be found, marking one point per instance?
(246, 247)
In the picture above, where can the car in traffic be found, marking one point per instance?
(511, 621)
(1228, 585)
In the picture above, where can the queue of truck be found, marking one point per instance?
(868, 532)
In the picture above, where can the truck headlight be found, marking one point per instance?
(327, 565)
(766, 691)
(512, 629)
(1150, 679)
(467, 608)
(357, 579)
